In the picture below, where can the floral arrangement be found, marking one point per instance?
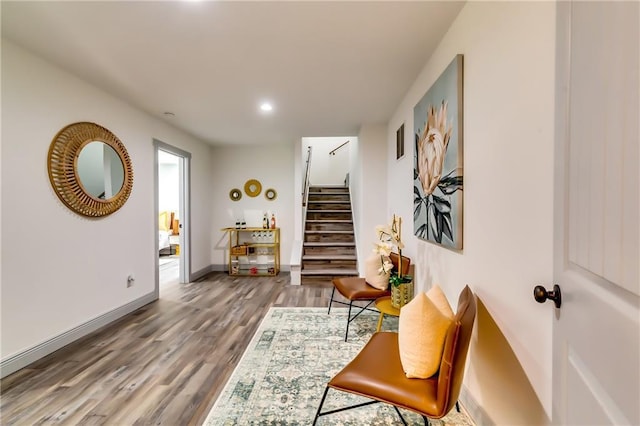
(390, 238)
(436, 189)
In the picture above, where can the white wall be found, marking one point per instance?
(355, 188)
(370, 188)
(61, 270)
(328, 169)
(509, 56)
(231, 167)
(169, 188)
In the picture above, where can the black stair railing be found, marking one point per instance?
(333, 151)
(305, 190)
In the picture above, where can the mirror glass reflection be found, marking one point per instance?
(100, 170)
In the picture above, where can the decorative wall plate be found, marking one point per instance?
(253, 187)
(270, 194)
(235, 194)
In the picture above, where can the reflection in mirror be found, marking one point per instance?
(235, 194)
(100, 170)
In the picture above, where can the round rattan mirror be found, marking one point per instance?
(90, 169)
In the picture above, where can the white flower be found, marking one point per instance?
(383, 248)
(386, 267)
(390, 237)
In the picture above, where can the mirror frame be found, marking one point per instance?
(270, 194)
(235, 194)
(253, 183)
(62, 164)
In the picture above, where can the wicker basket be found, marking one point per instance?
(240, 250)
(401, 294)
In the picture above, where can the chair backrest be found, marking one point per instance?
(455, 351)
(406, 262)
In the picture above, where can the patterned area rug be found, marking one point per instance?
(282, 374)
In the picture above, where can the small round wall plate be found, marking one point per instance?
(253, 187)
(270, 194)
(235, 194)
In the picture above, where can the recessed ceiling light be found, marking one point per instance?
(266, 106)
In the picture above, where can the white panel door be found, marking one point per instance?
(596, 346)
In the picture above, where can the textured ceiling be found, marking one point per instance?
(328, 67)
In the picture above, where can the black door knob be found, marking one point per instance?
(541, 295)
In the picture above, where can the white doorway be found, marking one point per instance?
(171, 183)
(169, 217)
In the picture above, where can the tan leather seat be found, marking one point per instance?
(433, 397)
(357, 289)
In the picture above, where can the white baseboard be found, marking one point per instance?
(201, 273)
(23, 359)
(225, 268)
(473, 409)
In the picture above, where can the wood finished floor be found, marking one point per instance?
(169, 270)
(162, 364)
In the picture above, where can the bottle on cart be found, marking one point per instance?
(273, 221)
(265, 222)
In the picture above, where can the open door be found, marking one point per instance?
(596, 335)
(181, 238)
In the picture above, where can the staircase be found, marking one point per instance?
(329, 247)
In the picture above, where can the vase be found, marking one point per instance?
(401, 294)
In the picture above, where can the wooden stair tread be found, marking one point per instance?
(328, 232)
(329, 211)
(319, 194)
(329, 257)
(328, 244)
(323, 272)
(329, 221)
(329, 217)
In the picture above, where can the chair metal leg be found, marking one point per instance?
(426, 420)
(400, 414)
(331, 301)
(348, 321)
(324, 396)
(351, 318)
(457, 406)
(351, 305)
(319, 413)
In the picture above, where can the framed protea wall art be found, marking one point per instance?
(437, 172)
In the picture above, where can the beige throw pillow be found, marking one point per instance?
(422, 329)
(440, 300)
(372, 273)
